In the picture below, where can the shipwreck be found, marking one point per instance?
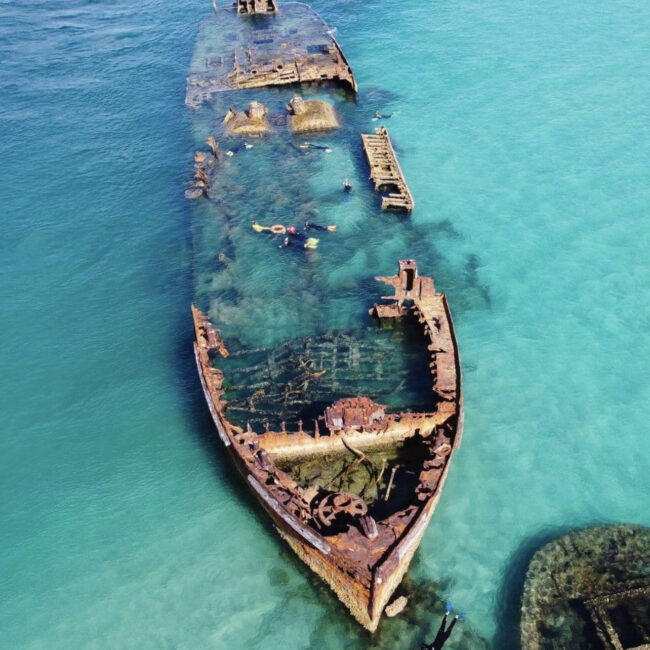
(294, 48)
(341, 436)
(360, 542)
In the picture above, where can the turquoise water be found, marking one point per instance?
(522, 129)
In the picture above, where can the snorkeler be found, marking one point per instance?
(241, 147)
(309, 244)
(347, 187)
(294, 232)
(310, 225)
(379, 116)
(444, 632)
(322, 147)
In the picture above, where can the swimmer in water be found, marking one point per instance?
(294, 232)
(310, 225)
(444, 632)
(379, 116)
(322, 147)
(241, 147)
(309, 243)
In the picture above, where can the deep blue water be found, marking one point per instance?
(523, 131)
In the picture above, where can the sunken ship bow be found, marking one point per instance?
(361, 549)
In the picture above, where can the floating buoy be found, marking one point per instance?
(277, 229)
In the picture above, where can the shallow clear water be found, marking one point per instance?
(522, 129)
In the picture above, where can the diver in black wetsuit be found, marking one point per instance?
(310, 225)
(303, 242)
(346, 186)
(379, 116)
(444, 632)
(320, 147)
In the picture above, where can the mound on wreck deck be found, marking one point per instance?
(361, 549)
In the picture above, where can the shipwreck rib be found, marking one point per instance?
(385, 172)
(358, 549)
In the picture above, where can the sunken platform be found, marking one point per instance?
(385, 172)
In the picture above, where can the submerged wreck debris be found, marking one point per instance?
(203, 164)
(589, 589)
(251, 122)
(194, 192)
(296, 47)
(360, 545)
(214, 147)
(311, 116)
(385, 172)
(297, 379)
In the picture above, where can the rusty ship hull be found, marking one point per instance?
(360, 552)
